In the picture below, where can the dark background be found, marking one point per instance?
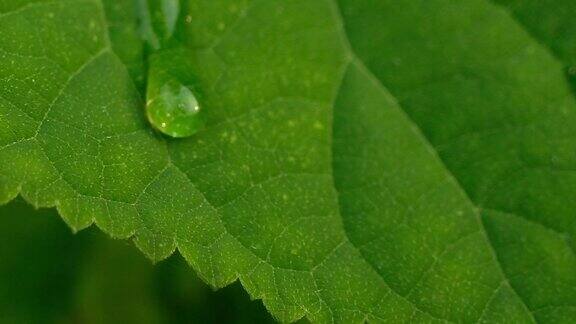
(49, 275)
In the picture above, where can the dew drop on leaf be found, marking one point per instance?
(172, 107)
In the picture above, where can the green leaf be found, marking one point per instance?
(362, 160)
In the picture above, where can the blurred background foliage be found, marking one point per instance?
(49, 275)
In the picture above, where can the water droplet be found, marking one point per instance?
(171, 106)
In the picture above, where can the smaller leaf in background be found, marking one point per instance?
(49, 275)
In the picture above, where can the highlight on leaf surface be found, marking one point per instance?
(359, 160)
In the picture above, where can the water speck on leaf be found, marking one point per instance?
(172, 107)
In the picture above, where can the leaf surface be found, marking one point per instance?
(552, 24)
(362, 160)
